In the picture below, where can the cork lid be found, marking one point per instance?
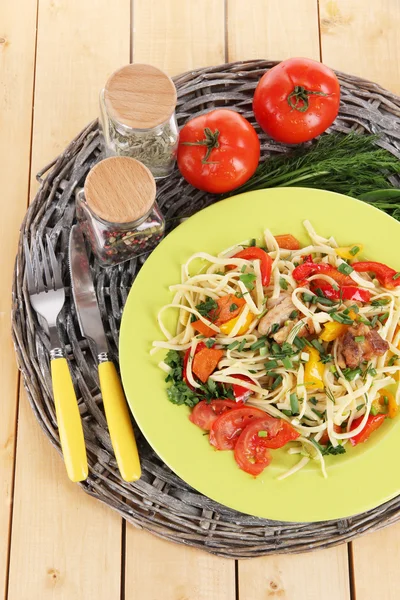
(140, 96)
(120, 189)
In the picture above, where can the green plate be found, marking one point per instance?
(359, 480)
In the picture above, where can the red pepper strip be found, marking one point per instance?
(373, 422)
(241, 393)
(199, 347)
(255, 253)
(383, 273)
(307, 269)
(308, 259)
(346, 292)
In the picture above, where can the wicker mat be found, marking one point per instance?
(160, 502)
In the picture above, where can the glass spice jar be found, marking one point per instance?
(118, 211)
(137, 109)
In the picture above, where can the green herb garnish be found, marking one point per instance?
(396, 276)
(360, 339)
(262, 434)
(383, 317)
(233, 307)
(242, 345)
(354, 250)
(328, 449)
(393, 360)
(277, 382)
(286, 412)
(271, 364)
(294, 404)
(258, 344)
(294, 314)
(283, 283)
(204, 308)
(274, 328)
(248, 280)
(345, 269)
(287, 363)
(380, 302)
(233, 345)
(210, 342)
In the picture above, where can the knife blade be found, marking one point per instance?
(83, 291)
(90, 323)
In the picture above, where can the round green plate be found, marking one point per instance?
(359, 480)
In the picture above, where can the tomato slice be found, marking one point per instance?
(241, 393)
(373, 422)
(205, 413)
(287, 241)
(255, 253)
(286, 433)
(227, 428)
(251, 450)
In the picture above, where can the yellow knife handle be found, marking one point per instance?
(69, 421)
(119, 422)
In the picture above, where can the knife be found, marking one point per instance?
(115, 406)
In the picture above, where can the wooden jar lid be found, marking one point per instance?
(120, 189)
(140, 96)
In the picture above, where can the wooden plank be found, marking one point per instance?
(17, 54)
(176, 35)
(373, 53)
(296, 577)
(272, 29)
(375, 565)
(162, 569)
(362, 38)
(65, 544)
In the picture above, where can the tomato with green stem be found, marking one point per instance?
(218, 151)
(296, 100)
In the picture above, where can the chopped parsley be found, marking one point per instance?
(204, 308)
(328, 449)
(233, 307)
(248, 280)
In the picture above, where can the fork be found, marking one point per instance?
(47, 296)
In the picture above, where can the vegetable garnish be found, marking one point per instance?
(293, 348)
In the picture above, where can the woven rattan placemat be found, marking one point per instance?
(160, 502)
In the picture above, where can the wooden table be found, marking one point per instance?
(55, 55)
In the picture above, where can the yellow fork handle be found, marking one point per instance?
(69, 421)
(119, 422)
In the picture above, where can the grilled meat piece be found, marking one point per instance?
(278, 314)
(354, 352)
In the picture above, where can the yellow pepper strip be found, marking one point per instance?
(332, 330)
(313, 370)
(344, 251)
(392, 407)
(227, 327)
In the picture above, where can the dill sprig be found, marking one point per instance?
(348, 164)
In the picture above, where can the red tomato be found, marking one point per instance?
(227, 428)
(239, 391)
(286, 434)
(296, 100)
(205, 413)
(218, 151)
(251, 452)
(373, 422)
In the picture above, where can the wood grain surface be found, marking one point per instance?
(55, 541)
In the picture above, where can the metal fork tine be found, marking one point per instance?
(38, 270)
(29, 269)
(47, 276)
(54, 265)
